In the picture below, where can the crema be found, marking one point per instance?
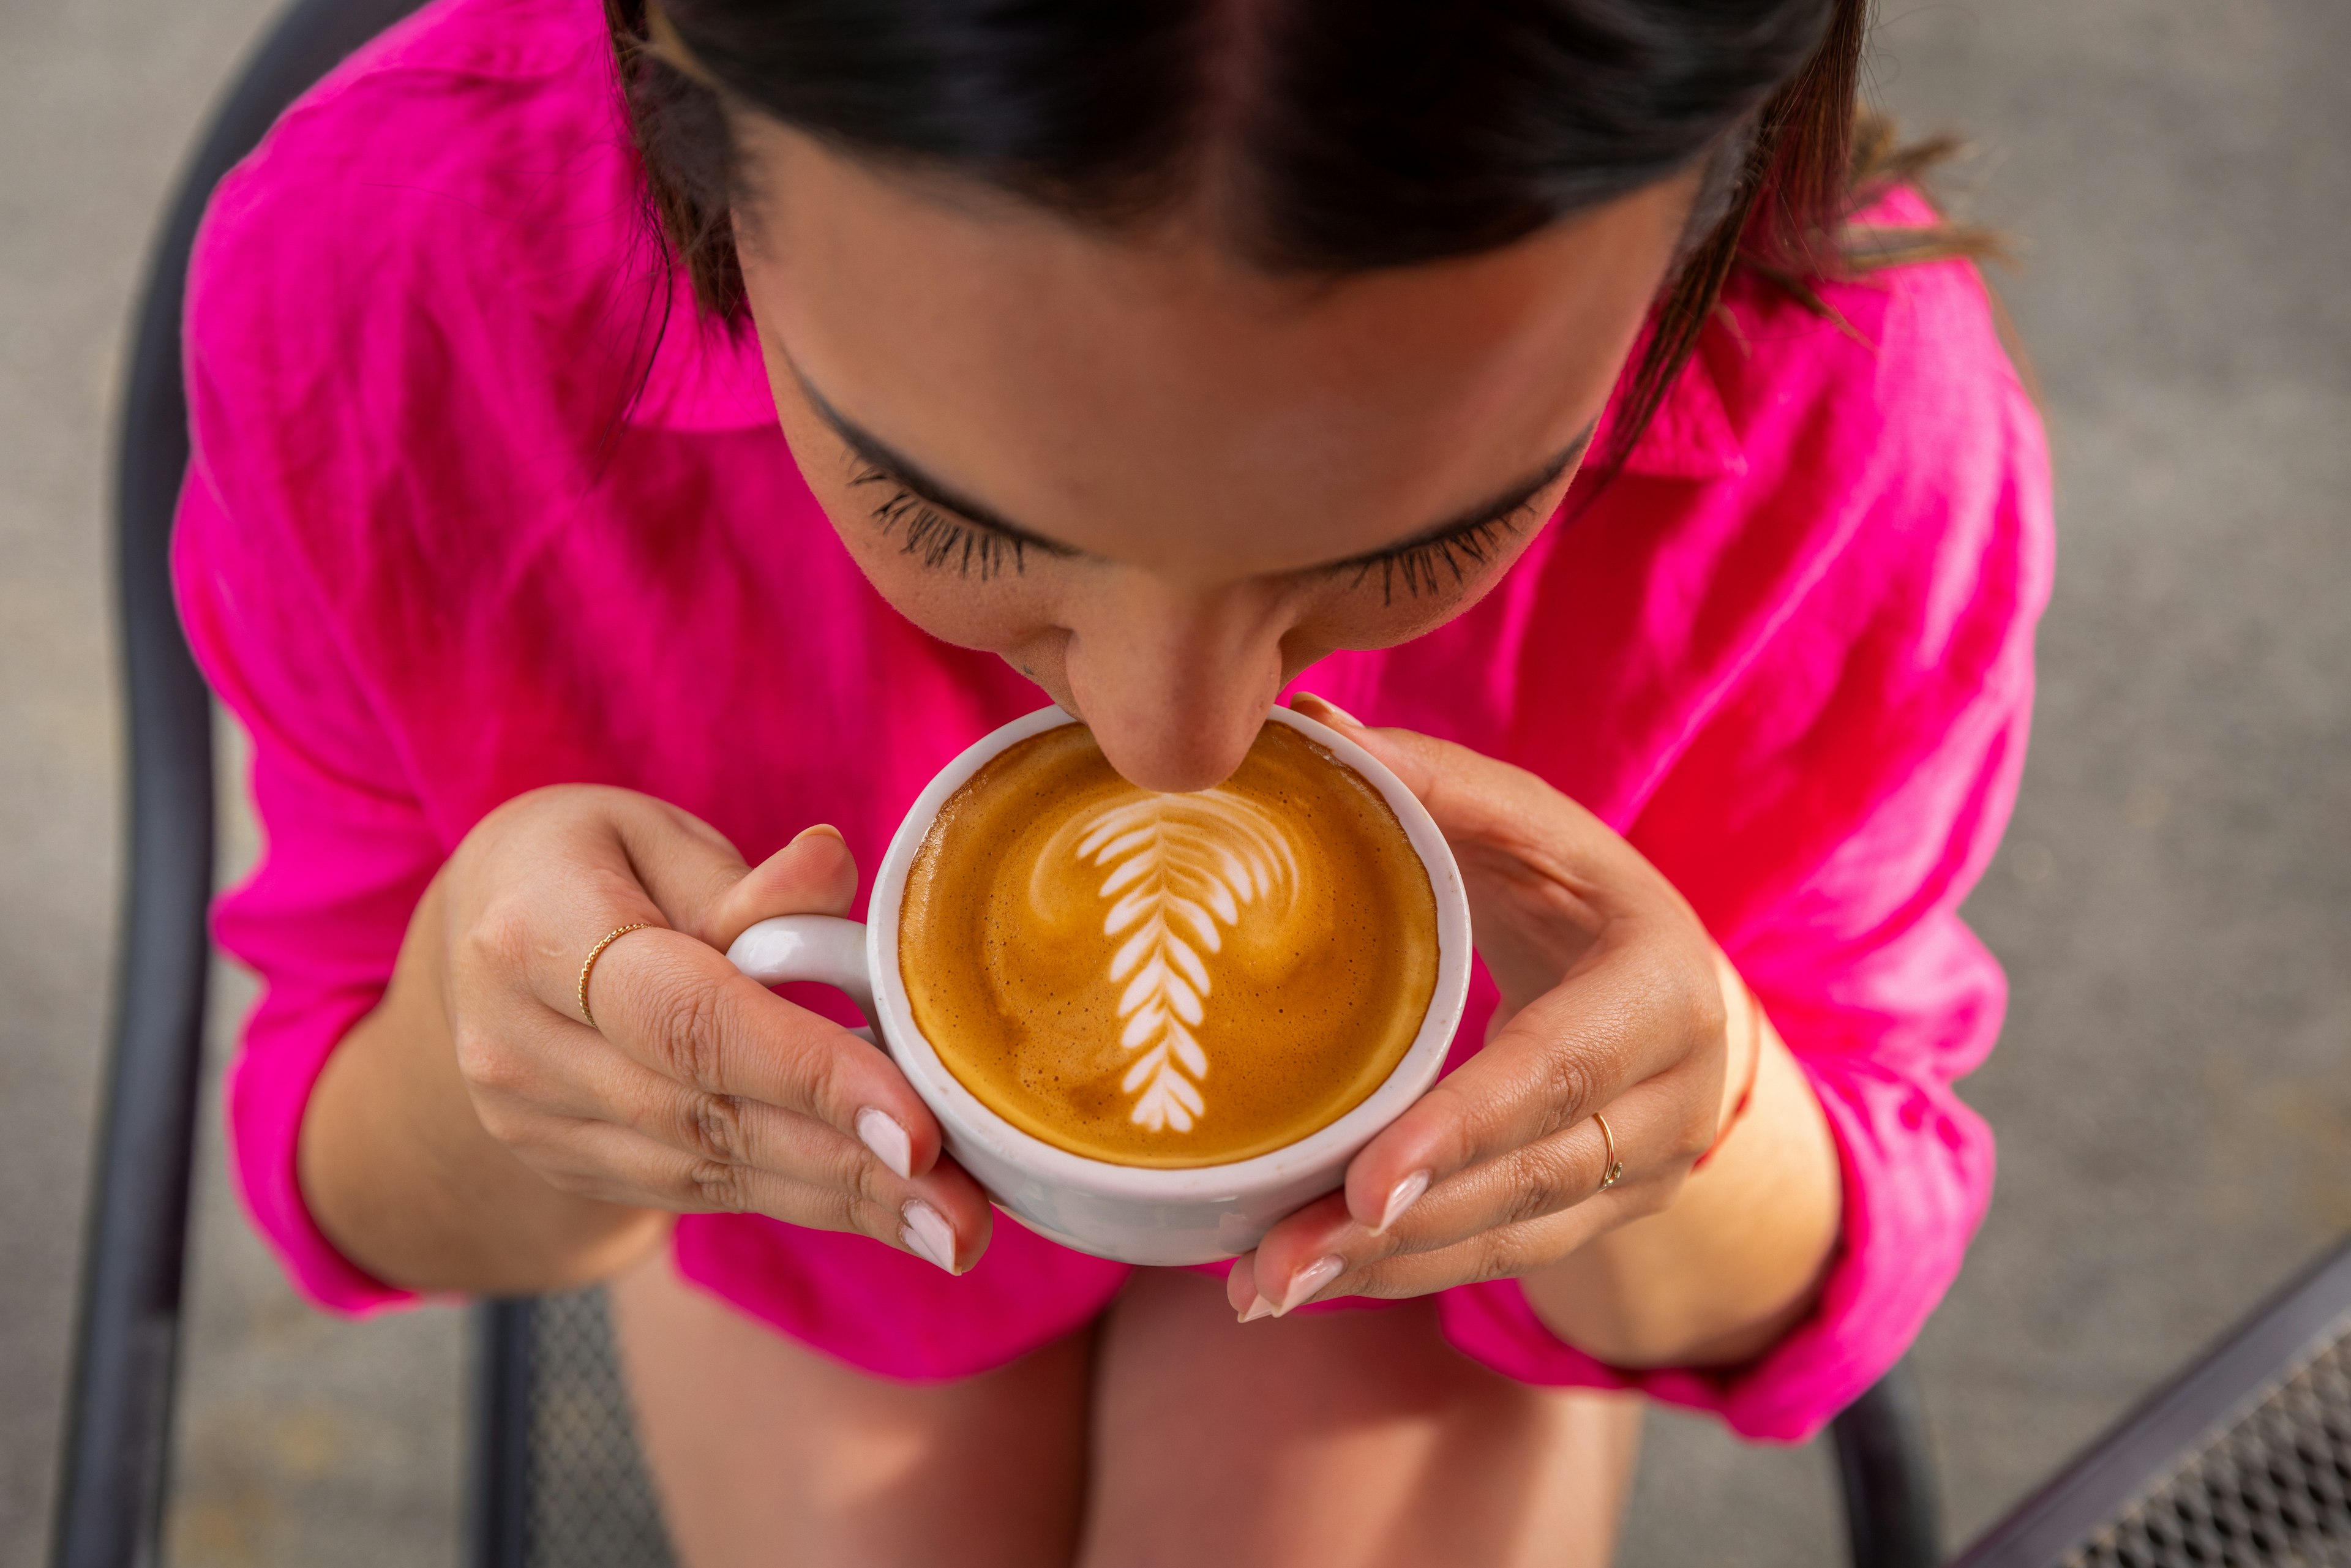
(1168, 980)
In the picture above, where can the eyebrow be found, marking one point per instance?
(875, 453)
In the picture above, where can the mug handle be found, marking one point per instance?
(820, 947)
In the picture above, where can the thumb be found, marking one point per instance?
(1502, 819)
(813, 874)
(1411, 757)
(1471, 797)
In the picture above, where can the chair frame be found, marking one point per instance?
(498, 1479)
(2149, 1445)
(114, 1471)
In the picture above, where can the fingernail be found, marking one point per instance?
(1334, 707)
(1401, 1197)
(926, 1232)
(1259, 1308)
(1309, 1279)
(819, 828)
(880, 1130)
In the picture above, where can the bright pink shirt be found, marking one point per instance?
(429, 563)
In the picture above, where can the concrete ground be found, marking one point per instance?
(2174, 901)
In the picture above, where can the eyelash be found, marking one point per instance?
(1417, 564)
(939, 540)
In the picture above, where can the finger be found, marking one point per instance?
(1645, 1133)
(707, 891)
(1476, 799)
(679, 1009)
(667, 856)
(1509, 1253)
(1627, 1015)
(571, 1073)
(1324, 1251)
(945, 1221)
(1642, 1137)
(1299, 1257)
(1240, 1289)
(1329, 1266)
(606, 1084)
(582, 1080)
(580, 867)
(520, 1061)
(727, 1129)
(1545, 878)
(813, 874)
(695, 876)
(627, 860)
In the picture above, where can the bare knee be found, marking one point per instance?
(1348, 1437)
(764, 1453)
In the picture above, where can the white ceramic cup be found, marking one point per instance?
(1132, 1213)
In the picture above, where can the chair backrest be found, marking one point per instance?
(111, 1480)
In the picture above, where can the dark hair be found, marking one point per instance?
(1346, 135)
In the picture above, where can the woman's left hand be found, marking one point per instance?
(1614, 1000)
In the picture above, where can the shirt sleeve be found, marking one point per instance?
(346, 854)
(1826, 820)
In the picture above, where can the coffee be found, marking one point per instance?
(1167, 980)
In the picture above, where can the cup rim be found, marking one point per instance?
(963, 1112)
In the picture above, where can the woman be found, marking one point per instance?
(634, 451)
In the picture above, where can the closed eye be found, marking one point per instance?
(1443, 560)
(1441, 563)
(938, 538)
(944, 531)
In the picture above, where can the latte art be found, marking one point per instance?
(1180, 865)
(1167, 979)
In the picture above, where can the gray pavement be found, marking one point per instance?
(2174, 901)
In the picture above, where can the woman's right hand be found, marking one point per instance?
(694, 1089)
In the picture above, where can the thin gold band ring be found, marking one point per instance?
(588, 968)
(1614, 1171)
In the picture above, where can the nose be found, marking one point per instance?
(1175, 681)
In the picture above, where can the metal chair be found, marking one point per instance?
(555, 1480)
(2242, 1461)
(112, 1478)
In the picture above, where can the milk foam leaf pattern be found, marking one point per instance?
(1182, 870)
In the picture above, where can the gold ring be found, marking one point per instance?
(1615, 1172)
(588, 968)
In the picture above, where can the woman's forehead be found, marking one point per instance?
(1101, 387)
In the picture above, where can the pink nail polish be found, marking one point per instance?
(1401, 1197)
(1309, 1279)
(879, 1132)
(1336, 710)
(1259, 1308)
(927, 1234)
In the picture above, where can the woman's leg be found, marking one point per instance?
(767, 1454)
(1340, 1439)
